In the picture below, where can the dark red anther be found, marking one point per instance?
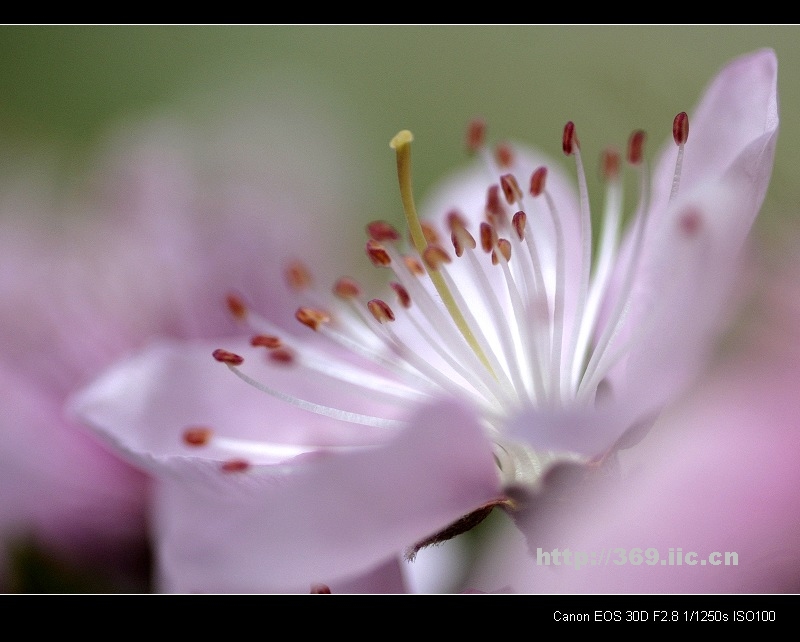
(378, 254)
(488, 237)
(504, 248)
(414, 266)
(455, 218)
(266, 341)
(235, 466)
(236, 306)
(476, 135)
(434, 256)
(538, 180)
(347, 288)
(230, 358)
(197, 435)
(504, 155)
(636, 147)
(382, 231)
(680, 128)
(495, 209)
(282, 356)
(297, 275)
(518, 223)
(311, 317)
(569, 142)
(511, 189)
(429, 232)
(609, 164)
(459, 234)
(402, 294)
(380, 310)
(320, 589)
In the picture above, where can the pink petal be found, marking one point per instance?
(334, 515)
(721, 476)
(291, 520)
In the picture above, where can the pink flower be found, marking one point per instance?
(88, 282)
(398, 421)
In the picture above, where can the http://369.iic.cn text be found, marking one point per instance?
(635, 557)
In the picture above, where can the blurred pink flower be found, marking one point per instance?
(397, 421)
(149, 249)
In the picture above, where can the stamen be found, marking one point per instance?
(501, 324)
(434, 257)
(527, 346)
(680, 134)
(402, 294)
(538, 179)
(365, 381)
(266, 341)
(612, 217)
(571, 146)
(459, 234)
(236, 306)
(511, 189)
(504, 155)
(610, 164)
(347, 288)
(414, 266)
(496, 369)
(537, 184)
(336, 369)
(282, 356)
(476, 134)
(636, 147)
(298, 276)
(312, 318)
(380, 310)
(377, 254)
(334, 413)
(569, 141)
(538, 187)
(503, 247)
(450, 335)
(539, 292)
(518, 222)
(226, 357)
(495, 210)
(488, 237)
(433, 373)
(513, 195)
(197, 435)
(401, 143)
(235, 466)
(382, 231)
(680, 128)
(593, 373)
(458, 242)
(430, 233)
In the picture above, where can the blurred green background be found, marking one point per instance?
(63, 88)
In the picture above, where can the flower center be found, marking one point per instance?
(514, 311)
